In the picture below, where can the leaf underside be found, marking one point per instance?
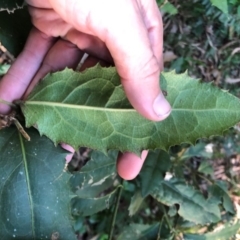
(34, 194)
(90, 109)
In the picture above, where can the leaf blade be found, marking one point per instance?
(193, 206)
(89, 206)
(103, 119)
(222, 5)
(31, 188)
(153, 170)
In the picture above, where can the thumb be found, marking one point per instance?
(143, 91)
(134, 41)
(135, 44)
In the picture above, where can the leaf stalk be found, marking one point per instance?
(115, 212)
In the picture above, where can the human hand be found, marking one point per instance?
(127, 32)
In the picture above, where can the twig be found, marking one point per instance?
(82, 61)
(8, 103)
(8, 54)
(232, 80)
(115, 212)
(20, 129)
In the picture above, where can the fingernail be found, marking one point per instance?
(161, 106)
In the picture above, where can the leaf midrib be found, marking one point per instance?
(28, 182)
(104, 109)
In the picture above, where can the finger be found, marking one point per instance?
(129, 44)
(15, 82)
(129, 164)
(39, 3)
(70, 150)
(49, 22)
(153, 21)
(62, 54)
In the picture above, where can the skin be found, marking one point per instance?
(127, 34)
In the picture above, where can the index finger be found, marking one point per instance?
(15, 82)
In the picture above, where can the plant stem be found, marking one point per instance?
(159, 230)
(21, 129)
(165, 215)
(115, 212)
(7, 103)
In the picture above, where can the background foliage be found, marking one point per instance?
(192, 192)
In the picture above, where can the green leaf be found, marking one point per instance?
(198, 150)
(11, 5)
(138, 232)
(90, 109)
(89, 206)
(136, 202)
(153, 171)
(95, 190)
(206, 168)
(14, 30)
(221, 4)
(169, 8)
(218, 193)
(95, 172)
(34, 195)
(192, 205)
(4, 68)
(226, 233)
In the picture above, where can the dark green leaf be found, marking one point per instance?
(153, 171)
(192, 205)
(198, 150)
(221, 4)
(206, 168)
(34, 196)
(94, 173)
(194, 237)
(89, 206)
(172, 211)
(94, 190)
(136, 232)
(14, 29)
(218, 193)
(90, 109)
(136, 202)
(226, 233)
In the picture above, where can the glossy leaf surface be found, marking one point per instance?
(34, 196)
